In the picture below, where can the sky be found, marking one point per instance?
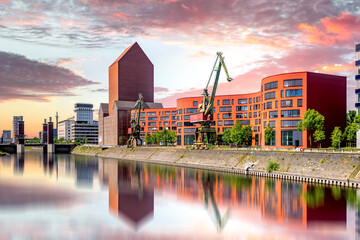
(54, 54)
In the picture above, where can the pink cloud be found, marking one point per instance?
(161, 90)
(200, 54)
(343, 29)
(120, 15)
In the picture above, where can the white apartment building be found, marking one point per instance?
(64, 128)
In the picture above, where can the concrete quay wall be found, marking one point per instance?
(314, 167)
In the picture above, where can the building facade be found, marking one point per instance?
(64, 128)
(357, 76)
(16, 120)
(84, 132)
(130, 74)
(83, 112)
(6, 136)
(281, 102)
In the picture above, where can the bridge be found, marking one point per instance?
(58, 147)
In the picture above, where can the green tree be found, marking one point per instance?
(148, 139)
(269, 135)
(165, 136)
(247, 134)
(336, 137)
(156, 137)
(319, 136)
(62, 140)
(240, 134)
(350, 117)
(172, 137)
(311, 122)
(227, 136)
(350, 132)
(86, 140)
(121, 140)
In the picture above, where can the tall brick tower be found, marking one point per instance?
(131, 73)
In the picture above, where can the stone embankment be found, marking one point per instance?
(317, 167)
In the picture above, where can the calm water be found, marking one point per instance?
(78, 197)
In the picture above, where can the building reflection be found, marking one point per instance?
(19, 161)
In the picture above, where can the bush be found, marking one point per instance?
(272, 166)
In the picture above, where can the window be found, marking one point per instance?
(286, 103)
(173, 123)
(256, 106)
(132, 114)
(151, 114)
(250, 115)
(289, 123)
(220, 123)
(282, 93)
(273, 114)
(195, 103)
(290, 113)
(228, 122)
(269, 95)
(152, 118)
(179, 111)
(142, 119)
(227, 116)
(225, 109)
(299, 102)
(250, 107)
(269, 105)
(272, 141)
(257, 99)
(173, 117)
(152, 128)
(294, 93)
(179, 124)
(226, 102)
(164, 118)
(276, 104)
(173, 112)
(271, 85)
(256, 121)
(218, 115)
(239, 115)
(291, 137)
(242, 101)
(293, 82)
(166, 123)
(245, 115)
(265, 124)
(218, 102)
(191, 110)
(244, 122)
(188, 124)
(241, 108)
(250, 100)
(255, 114)
(179, 131)
(167, 112)
(189, 130)
(186, 117)
(232, 101)
(272, 123)
(142, 114)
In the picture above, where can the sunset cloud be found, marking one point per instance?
(22, 78)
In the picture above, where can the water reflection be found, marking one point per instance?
(137, 193)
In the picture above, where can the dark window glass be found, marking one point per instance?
(173, 112)
(242, 101)
(152, 128)
(179, 124)
(225, 109)
(152, 118)
(289, 123)
(269, 95)
(179, 111)
(173, 123)
(227, 115)
(167, 112)
(142, 114)
(191, 110)
(290, 113)
(142, 119)
(250, 100)
(228, 122)
(241, 108)
(218, 102)
(244, 122)
(220, 123)
(239, 115)
(286, 138)
(188, 124)
(250, 115)
(151, 114)
(189, 130)
(269, 105)
(272, 123)
(173, 117)
(164, 118)
(195, 103)
(271, 85)
(232, 101)
(186, 117)
(286, 103)
(300, 102)
(255, 114)
(226, 102)
(294, 93)
(293, 82)
(273, 114)
(276, 104)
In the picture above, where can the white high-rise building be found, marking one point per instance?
(64, 128)
(16, 119)
(84, 112)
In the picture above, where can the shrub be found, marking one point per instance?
(272, 166)
(322, 160)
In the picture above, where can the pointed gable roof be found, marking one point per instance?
(134, 45)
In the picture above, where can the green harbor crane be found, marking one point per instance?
(205, 113)
(134, 130)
